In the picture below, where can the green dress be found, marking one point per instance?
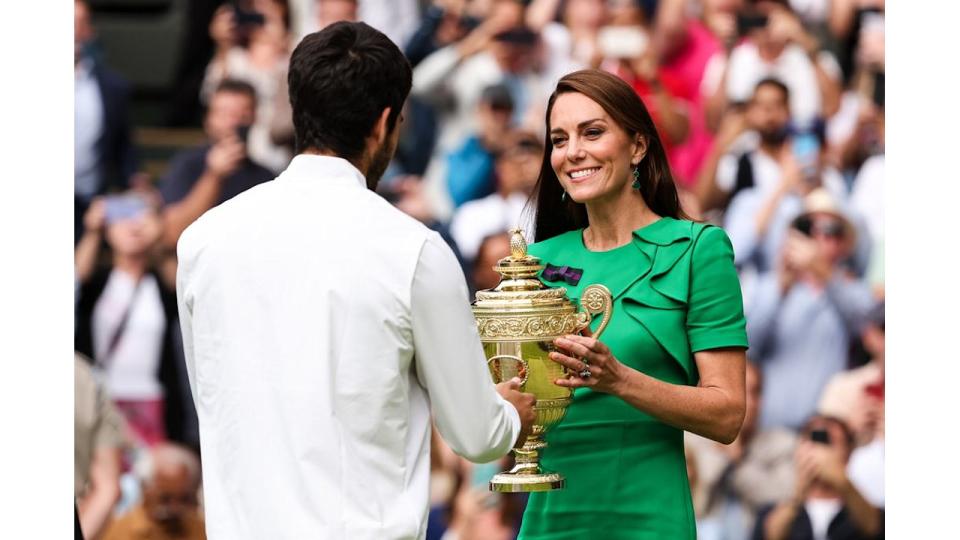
(675, 292)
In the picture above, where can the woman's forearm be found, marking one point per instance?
(85, 254)
(709, 411)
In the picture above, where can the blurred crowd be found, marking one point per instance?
(772, 113)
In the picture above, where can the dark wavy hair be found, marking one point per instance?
(341, 78)
(556, 216)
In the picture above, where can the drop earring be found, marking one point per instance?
(636, 177)
(564, 196)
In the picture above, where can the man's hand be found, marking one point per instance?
(523, 402)
(225, 157)
(828, 466)
(806, 471)
(733, 124)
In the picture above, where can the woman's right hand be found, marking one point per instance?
(223, 27)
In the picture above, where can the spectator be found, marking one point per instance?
(758, 218)
(858, 395)
(736, 480)
(252, 45)
(758, 158)
(775, 44)
(104, 158)
(470, 167)
(686, 45)
(452, 79)
(853, 395)
(825, 504)
(517, 169)
(170, 479)
(866, 466)
(203, 177)
(127, 315)
(570, 31)
(635, 57)
(492, 248)
(479, 514)
(851, 22)
(867, 201)
(803, 313)
(97, 450)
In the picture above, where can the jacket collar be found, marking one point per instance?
(323, 168)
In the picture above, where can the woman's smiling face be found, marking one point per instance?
(592, 155)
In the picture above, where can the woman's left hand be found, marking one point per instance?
(584, 354)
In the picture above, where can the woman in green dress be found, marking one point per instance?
(673, 356)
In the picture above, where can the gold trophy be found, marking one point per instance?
(518, 321)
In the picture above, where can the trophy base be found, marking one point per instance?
(526, 483)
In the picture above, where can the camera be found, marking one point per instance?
(243, 133)
(747, 22)
(245, 17)
(820, 436)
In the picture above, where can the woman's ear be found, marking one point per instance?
(639, 149)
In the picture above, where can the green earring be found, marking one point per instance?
(636, 176)
(564, 196)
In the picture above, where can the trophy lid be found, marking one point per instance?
(519, 286)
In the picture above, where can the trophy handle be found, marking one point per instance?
(524, 371)
(596, 299)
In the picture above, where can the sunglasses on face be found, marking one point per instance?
(826, 228)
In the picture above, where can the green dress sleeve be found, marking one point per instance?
(715, 307)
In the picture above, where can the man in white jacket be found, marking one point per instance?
(321, 325)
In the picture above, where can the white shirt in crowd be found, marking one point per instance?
(866, 197)
(131, 370)
(821, 513)
(493, 214)
(865, 470)
(321, 325)
(266, 82)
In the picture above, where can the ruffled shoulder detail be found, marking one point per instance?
(658, 300)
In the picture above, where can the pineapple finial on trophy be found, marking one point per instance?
(518, 246)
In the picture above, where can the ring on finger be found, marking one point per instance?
(585, 372)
